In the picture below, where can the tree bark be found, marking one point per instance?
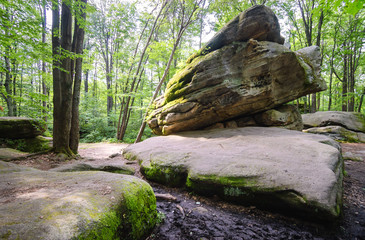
(75, 124)
(62, 81)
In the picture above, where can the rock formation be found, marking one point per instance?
(243, 70)
(266, 167)
(237, 80)
(244, 77)
(348, 126)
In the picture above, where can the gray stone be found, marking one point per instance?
(350, 120)
(286, 116)
(338, 133)
(20, 127)
(267, 167)
(38, 204)
(108, 166)
(235, 81)
(258, 22)
(8, 153)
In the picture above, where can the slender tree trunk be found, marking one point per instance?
(345, 82)
(75, 128)
(183, 27)
(361, 99)
(123, 124)
(44, 85)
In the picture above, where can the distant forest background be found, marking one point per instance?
(132, 46)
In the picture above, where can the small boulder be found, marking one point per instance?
(268, 167)
(20, 127)
(38, 204)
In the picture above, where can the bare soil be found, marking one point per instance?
(196, 217)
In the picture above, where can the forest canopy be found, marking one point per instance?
(131, 48)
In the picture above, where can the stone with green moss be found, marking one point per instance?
(30, 145)
(271, 168)
(75, 205)
(352, 121)
(339, 133)
(20, 127)
(237, 80)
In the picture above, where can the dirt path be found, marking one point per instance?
(195, 217)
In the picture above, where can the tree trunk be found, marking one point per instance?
(44, 85)
(75, 128)
(361, 99)
(344, 82)
(62, 82)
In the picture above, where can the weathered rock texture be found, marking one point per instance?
(37, 204)
(20, 127)
(347, 126)
(237, 80)
(285, 116)
(258, 23)
(267, 167)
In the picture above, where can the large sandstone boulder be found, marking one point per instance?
(240, 79)
(37, 204)
(20, 127)
(258, 22)
(269, 167)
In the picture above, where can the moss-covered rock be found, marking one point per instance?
(271, 168)
(78, 205)
(237, 80)
(20, 127)
(339, 133)
(6, 153)
(30, 145)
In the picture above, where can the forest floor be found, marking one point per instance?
(194, 217)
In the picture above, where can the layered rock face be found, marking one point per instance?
(238, 78)
(348, 126)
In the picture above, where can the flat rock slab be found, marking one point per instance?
(269, 167)
(109, 165)
(6, 153)
(38, 204)
(349, 120)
